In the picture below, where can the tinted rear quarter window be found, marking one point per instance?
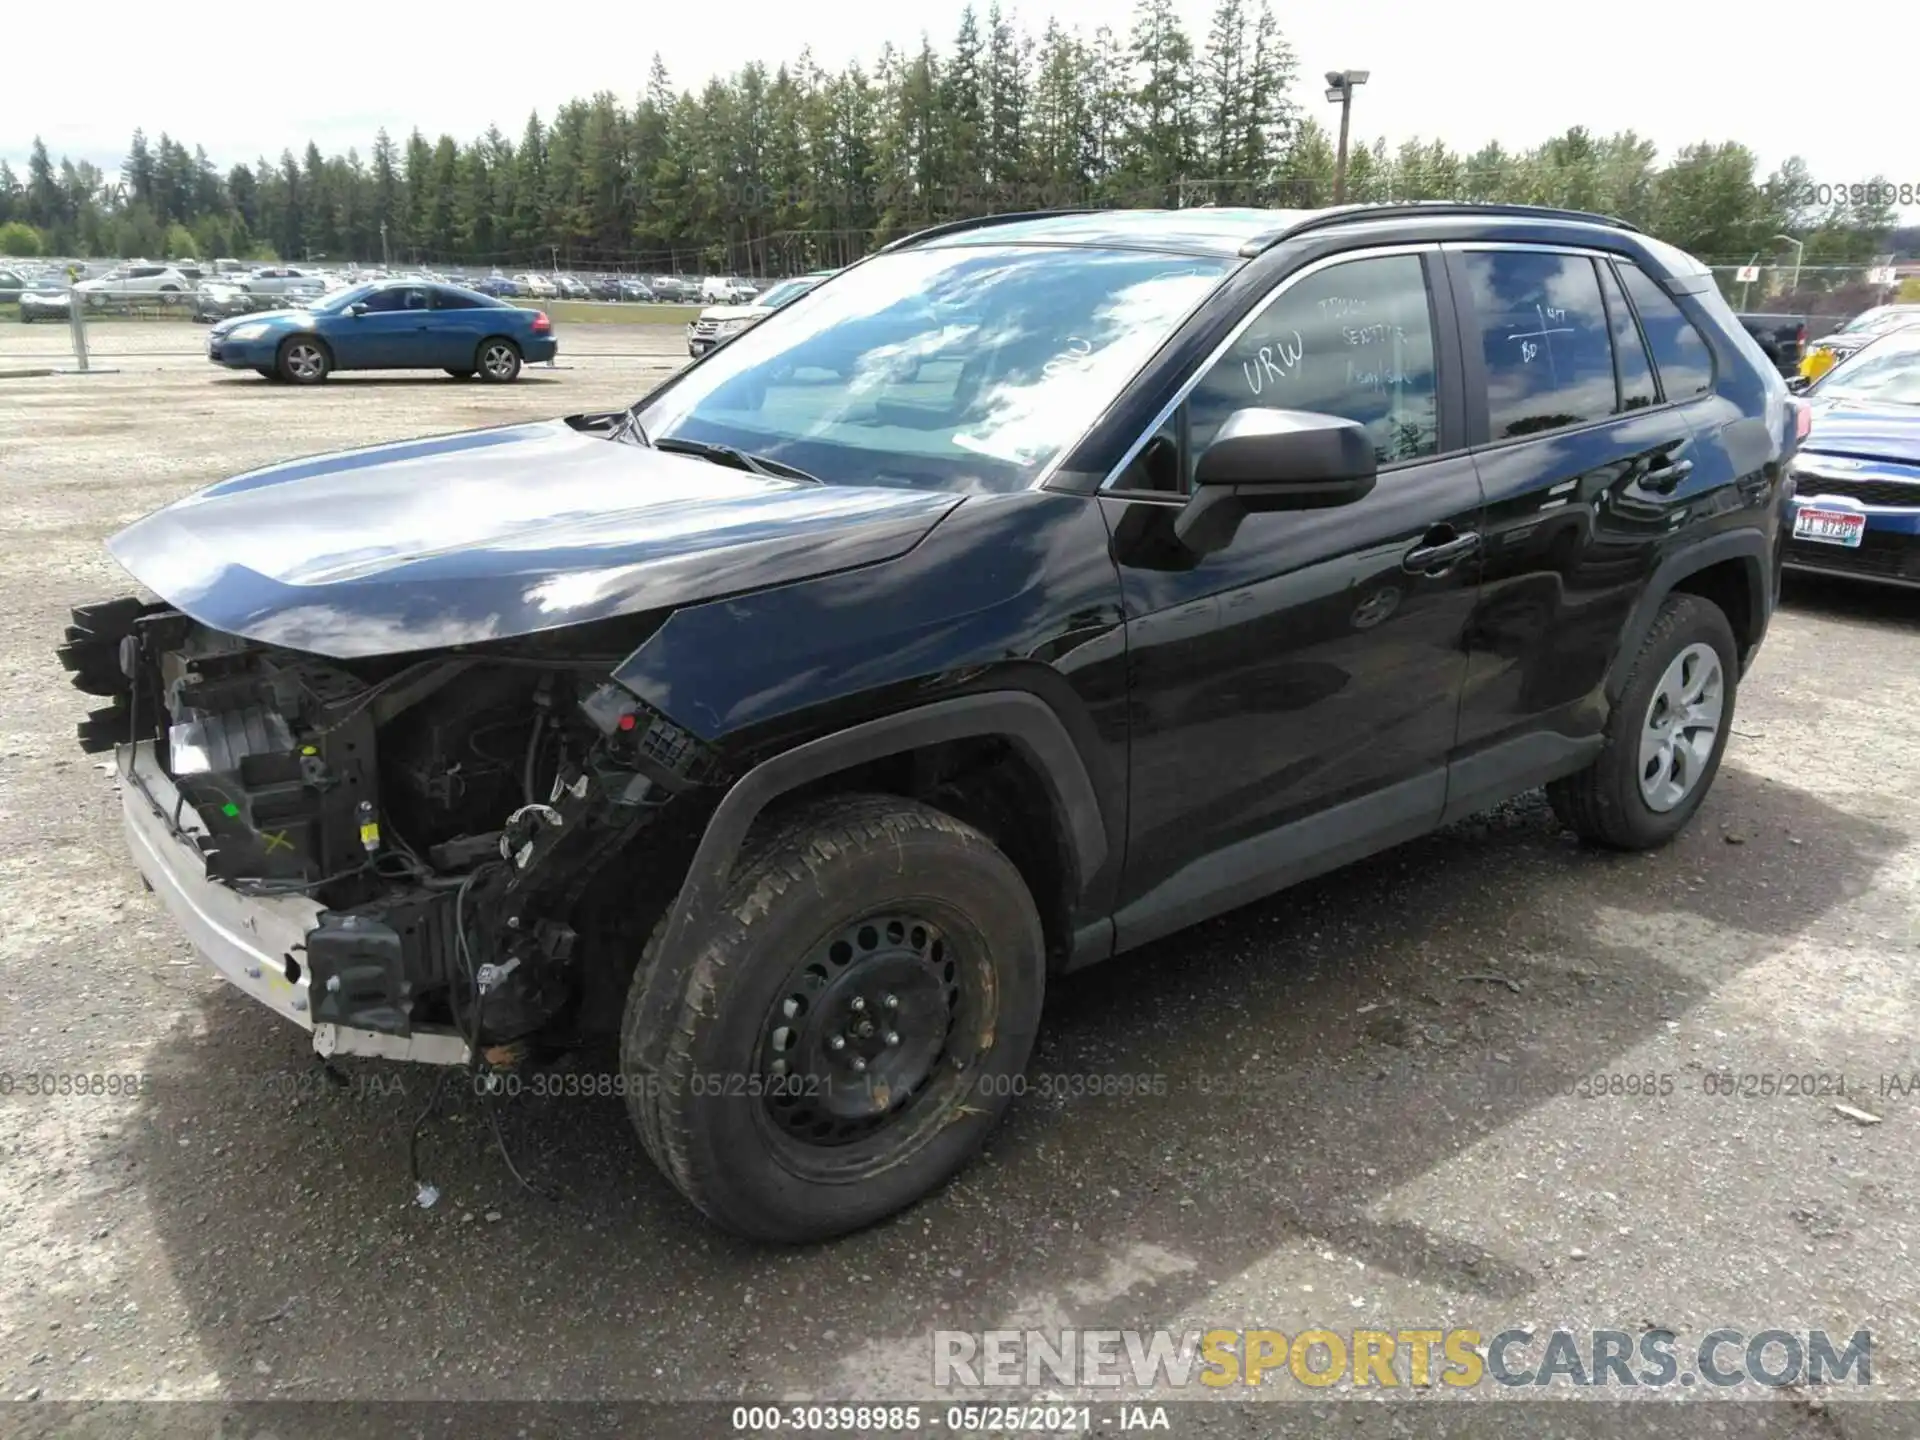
(1630, 352)
(1680, 352)
(1543, 335)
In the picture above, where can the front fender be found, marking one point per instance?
(1019, 717)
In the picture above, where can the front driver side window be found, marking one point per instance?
(1354, 340)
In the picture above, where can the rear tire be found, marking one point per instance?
(1665, 736)
(498, 360)
(303, 360)
(859, 1009)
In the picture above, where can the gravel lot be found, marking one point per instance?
(1352, 1134)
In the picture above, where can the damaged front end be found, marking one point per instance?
(439, 857)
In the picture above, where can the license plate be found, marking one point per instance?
(1830, 527)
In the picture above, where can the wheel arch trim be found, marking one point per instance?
(1018, 716)
(1749, 545)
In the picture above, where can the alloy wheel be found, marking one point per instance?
(498, 360)
(305, 361)
(1681, 726)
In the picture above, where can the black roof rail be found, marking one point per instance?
(954, 227)
(1347, 214)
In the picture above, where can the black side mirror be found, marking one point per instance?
(1265, 460)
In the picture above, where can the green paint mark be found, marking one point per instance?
(229, 810)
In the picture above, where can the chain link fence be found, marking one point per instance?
(77, 297)
(1826, 295)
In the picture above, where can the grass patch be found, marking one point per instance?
(610, 312)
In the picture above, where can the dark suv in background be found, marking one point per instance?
(1040, 586)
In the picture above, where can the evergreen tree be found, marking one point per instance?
(1162, 132)
(388, 209)
(799, 166)
(136, 172)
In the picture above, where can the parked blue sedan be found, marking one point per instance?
(1857, 476)
(387, 325)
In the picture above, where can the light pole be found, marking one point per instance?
(386, 259)
(1340, 85)
(1799, 252)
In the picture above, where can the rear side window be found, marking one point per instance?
(454, 300)
(1543, 335)
(396, 298)
(1680, 352)
(1629, 351)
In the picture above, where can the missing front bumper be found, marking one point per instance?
(258, 943)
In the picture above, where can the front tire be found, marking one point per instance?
(498, 360)
(1665, 736)
(303, 360)
(858, 1011)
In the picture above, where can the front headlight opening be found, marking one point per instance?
(247, 332)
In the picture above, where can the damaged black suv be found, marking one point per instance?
(1034, 588)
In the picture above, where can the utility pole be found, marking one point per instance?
(1799, 253)
(1340, 85)
(386, 257)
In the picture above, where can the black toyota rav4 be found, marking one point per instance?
(1042, 585)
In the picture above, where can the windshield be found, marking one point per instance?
(1885, 373)
(965, 368)
(786, 290)
(1881, 317)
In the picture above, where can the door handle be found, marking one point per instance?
(1431, 558)
(1664, 476)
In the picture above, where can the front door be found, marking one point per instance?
(1295, 694)
(394, 332)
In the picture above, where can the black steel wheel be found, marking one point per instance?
(843, 1031)
(861, 1031)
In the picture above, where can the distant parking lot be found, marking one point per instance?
(1389, 1096)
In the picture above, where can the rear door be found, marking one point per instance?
(1586, 465)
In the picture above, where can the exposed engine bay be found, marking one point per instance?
(462, 818)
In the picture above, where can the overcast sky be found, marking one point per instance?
(1467, 72)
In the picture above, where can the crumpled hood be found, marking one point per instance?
(496, 533)
(1864, 431)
